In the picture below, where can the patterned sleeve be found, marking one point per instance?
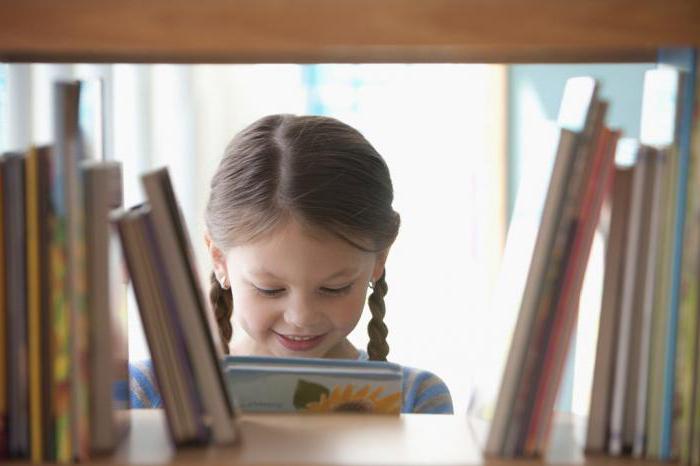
(424, 392)
(143, 391)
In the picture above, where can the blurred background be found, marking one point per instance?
(469, 147)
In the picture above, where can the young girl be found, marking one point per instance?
(300, 224)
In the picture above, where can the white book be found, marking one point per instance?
(106, 303)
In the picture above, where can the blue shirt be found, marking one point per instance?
(423, 391)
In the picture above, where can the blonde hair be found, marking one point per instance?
(316, 170)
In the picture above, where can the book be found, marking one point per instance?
(16, 302)
(310, 385)
(106, 302)
(163, 330)
(3, 322)
(598, 418)
(683, 64)
(190, 306)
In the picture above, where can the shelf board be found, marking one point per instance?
(297, 439)
(344, 31)
(409, 439)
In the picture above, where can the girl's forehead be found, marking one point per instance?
(293, 250)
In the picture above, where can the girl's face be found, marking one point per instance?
(297, 293)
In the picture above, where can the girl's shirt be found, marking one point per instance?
(423, 391)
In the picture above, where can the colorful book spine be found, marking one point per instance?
(687, 60)
(33, 305)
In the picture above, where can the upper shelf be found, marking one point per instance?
(315, 31)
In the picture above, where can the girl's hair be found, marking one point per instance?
(316, 170)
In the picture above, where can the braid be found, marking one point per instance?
(377, 348)
(222, 303)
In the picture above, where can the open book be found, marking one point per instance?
(308, 385)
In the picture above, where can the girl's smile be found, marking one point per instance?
(299, 342)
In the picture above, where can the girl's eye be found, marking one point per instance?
(336, 291)
(269, 293)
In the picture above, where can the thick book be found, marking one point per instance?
(106, 302)
(162, 328)
(310, 385)
(190, 307)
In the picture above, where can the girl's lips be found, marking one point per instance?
(299, 342)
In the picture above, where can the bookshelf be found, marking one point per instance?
(343, 31)
(302, 31)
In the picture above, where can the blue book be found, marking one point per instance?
(309, 385)
(685, 59)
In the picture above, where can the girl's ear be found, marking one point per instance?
(218, 258)
(379, 264)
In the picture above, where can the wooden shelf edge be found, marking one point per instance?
(344, 31)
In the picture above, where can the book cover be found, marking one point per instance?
(173, 372)
(310, 385)
(189, 303)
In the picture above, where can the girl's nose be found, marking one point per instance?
(302, 314)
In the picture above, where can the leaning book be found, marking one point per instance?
(309, 385)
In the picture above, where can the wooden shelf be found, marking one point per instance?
(303, 31)
(412, 439)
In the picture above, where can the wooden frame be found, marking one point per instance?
(306, 31)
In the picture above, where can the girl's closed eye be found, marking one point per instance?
(336, 291)
(326, 290)
(269, 292)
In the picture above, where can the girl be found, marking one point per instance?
(300, 224)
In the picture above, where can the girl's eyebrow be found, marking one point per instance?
(343, 272)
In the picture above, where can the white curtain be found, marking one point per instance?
(440, 128)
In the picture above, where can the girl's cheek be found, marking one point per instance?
(256, 317)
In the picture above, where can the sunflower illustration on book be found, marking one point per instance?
(316, 398)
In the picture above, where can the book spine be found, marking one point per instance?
(648, 302)
(3, 322)
(44, 167)
(687, 106)
(34, 290)
(622, 350)
(596, 437)
(15, 250)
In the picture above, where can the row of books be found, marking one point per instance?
(584, 175)
(645, 383)
(63, 347)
